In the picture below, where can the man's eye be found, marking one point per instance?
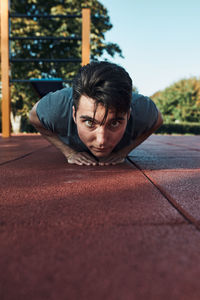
(89, 123)
(115, 124)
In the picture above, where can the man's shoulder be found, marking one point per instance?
(137, 97)
(58, 101)
(55, 110)
(140, 102)
(65, 93)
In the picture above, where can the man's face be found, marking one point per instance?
(99, 139)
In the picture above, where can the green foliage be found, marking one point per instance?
(179, 128)
(180, 102)
(22, 95)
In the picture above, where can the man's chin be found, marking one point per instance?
(100, 154)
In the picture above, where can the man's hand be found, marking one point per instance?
(112, 159)
(82, 158)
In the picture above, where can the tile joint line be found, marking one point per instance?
(27, 154)
(181, 211)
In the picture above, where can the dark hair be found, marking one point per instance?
(107, 83)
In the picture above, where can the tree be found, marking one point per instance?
(22, 96)
(180, 102)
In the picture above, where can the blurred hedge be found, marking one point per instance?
(179, 128)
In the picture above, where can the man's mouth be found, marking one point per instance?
(99, 149)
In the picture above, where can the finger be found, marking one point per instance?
(74, 161)
(112, 161)
(82, 158)
(90, 160)
(80, 162)
(89, 157)
(104, 163)
(87, 161)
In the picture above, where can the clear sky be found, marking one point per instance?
(160, 40)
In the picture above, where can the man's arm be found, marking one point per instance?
(119, 157)
(73, 157)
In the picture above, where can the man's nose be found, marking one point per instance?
(101, 137)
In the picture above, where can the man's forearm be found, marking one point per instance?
(54, 139)
(126, 150)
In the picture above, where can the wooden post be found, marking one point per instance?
(5, 68)
(85, 36)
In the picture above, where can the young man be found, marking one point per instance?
(98, 121)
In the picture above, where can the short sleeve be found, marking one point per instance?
(145, 114)
(54, 109)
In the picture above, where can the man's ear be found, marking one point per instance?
(74, 114)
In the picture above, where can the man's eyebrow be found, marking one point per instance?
(88, 118)
(85, 117)
(118, 119)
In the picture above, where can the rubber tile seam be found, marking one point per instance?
(25, 155)
(170, 199)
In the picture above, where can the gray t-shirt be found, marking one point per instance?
(55, 113)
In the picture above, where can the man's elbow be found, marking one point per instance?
(33, 118)
(159, 121)
(30, 117)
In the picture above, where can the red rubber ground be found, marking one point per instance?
(125, 232)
